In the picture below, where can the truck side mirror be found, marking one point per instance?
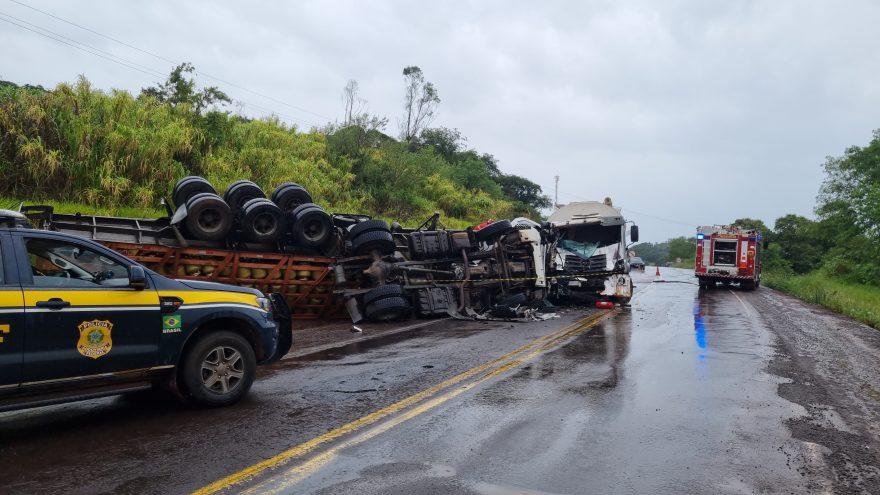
(634, 233)
(137, 278)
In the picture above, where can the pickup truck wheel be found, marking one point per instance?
(388, 309)
(218, 370)
(188, 187)
(240, 192)
(290, 195)
(493, 230)
(262, 220)
(208, 217)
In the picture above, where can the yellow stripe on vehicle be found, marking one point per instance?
(212, 296)
(11, 299)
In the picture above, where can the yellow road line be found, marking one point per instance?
(310, 445)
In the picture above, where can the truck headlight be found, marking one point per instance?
(265, 304)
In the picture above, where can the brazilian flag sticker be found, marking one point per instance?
(171, 324)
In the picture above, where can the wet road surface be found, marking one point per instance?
(721, 392)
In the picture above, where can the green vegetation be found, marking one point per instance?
(668, 252)
(859, 301)
(113, 152)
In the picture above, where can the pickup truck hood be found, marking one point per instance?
(202, 285)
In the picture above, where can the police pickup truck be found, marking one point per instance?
(80, 321)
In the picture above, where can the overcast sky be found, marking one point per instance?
(692, 113)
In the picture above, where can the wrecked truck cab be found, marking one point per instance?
(589, 253)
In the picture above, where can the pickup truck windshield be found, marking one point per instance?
(60, 264)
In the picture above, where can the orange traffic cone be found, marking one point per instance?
(658, 271)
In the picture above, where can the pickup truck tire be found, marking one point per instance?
(388, 309)
(208, 217)
(289, 195)
(261, 221)
(367, 242)
(493, 230)
(382, 292)
(367, 226)
(188, 187)
(312, 227)
(240, 192)
(218, 369)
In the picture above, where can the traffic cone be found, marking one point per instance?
(658, 272)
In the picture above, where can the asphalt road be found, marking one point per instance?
(720, 392)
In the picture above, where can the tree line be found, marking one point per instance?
(81, 144)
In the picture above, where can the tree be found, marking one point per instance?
(799, 241)
(356, 113)
(179, 89)
(753, 224)
(420, 100)
(682, 247)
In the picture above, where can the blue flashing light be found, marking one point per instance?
(700, 236)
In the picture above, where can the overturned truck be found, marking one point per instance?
(326, 265)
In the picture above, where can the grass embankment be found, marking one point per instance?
(684, 264)
(861, 302)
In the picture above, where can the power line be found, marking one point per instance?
(119, 60)
(160, 57)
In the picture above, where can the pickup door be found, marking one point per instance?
(11, 320)
(82, 320)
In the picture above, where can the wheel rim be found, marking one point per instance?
(265, 224)
(222, 370)
(315, 230)
(210, 220)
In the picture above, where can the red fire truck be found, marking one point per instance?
(728, 255)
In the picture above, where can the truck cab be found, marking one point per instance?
(78, 321)
(590, 250)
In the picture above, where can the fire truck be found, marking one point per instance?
(728, 255)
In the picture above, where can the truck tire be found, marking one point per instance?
(240, 192)
(747, 285)
(188, 187)
(493, 230)
(290, 195)
(208, 217)
(261, 221)
(218, 369)
(388, 309)
(312, 227)
(367, 226)
(382, 292)
(378, 240)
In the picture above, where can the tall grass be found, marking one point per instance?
(861, 302)
(110, 150)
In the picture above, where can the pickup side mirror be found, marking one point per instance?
(137, 278)
(634, 233)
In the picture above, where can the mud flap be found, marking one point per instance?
(281, 313)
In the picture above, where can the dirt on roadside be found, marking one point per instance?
(833, 363)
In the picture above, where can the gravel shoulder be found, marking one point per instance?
(833, 363)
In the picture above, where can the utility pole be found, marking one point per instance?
(556, 192)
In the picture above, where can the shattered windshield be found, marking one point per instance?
(582, 249)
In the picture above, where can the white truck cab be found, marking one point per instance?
(590, 250)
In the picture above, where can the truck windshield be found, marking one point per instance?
(601, 235)
(582, 249)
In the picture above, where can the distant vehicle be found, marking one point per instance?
(78, 321)
(591, 249)
(637, 263)
(726, 255)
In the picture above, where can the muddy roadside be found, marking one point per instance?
(833, 363)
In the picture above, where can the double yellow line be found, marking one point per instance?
(432, 398)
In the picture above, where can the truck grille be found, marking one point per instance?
(576, 264)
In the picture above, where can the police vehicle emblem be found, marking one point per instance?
(94, 338)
